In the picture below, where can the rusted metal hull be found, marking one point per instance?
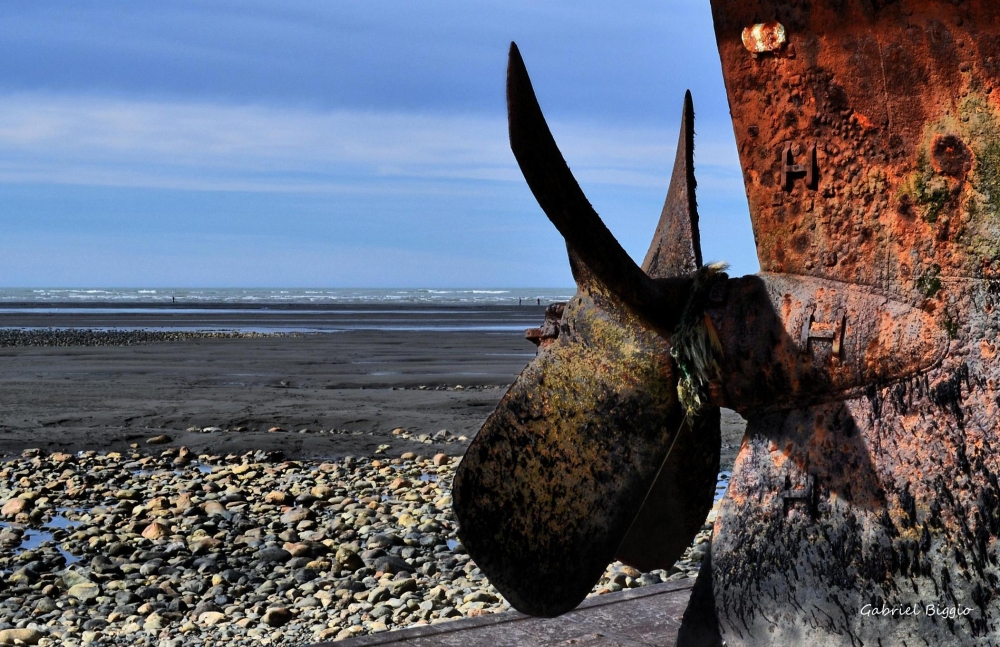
(877, 497)
(883, 496)
(900, 99)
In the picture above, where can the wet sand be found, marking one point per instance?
(357, 374)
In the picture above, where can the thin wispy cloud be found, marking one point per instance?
(99, 141)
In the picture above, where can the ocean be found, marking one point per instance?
(285, 310)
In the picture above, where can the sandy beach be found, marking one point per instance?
(348, 375)
(356, 379)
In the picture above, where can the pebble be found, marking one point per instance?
(25, 636)
(214, 508)
(276, 617)
(211, 618)
(14, 507)
(154, 531)
(84, 591)
(240, 549)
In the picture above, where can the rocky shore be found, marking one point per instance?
(16, 337)
(176, 549)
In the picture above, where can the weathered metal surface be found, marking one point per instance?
(794, 340)
(678, 500)
(676, 246)
(682, 494)
(893, 94)
(560, 197)
(547, 490)
(550, 327)
(885, 493)
(863, 357)
(550, 486)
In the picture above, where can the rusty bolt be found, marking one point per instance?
(765, 37)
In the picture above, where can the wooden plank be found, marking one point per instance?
(645, 617)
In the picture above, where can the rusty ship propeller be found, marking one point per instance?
(548, 491)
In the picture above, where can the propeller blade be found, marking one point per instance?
(676, 246)
(565, 204)
(551, 484)
(682, 495)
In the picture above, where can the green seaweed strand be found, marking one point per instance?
(693, 347)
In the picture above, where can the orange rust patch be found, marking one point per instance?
(862, 120)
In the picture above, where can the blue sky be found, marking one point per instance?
(335, 144)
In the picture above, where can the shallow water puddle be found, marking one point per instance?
(721, 485)
(59, 521)
(35, 537)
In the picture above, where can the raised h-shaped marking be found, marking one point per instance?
(802, 494)
(832, 331)
(790, 171)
